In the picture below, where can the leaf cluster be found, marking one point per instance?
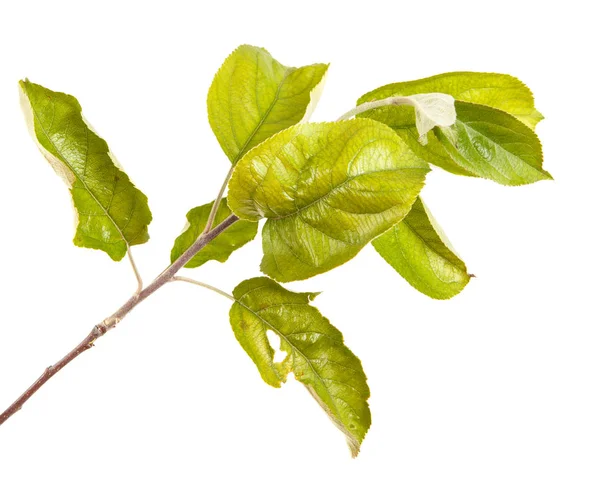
(321, 191)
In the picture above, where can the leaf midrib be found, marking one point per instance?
(243, 150)
(429, 247)
(343, 183)
(472, 131)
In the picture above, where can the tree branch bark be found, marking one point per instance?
(102, 328)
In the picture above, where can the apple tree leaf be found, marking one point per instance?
(234, 237)
(419, 251)
(315, 352)
(112, 214)
(500, 91)
(489, 143)
(253, 96)
(432, 110)
(326, 189)
(481, 141)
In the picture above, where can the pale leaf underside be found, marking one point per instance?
(431, 110)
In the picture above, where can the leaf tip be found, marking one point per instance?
(354, 449)
(312, 296)
(547, 175)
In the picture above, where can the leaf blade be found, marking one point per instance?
(316, 352)
(492, 96)
(112, 213)
(326, 190)
(483, 142)
(419, 251)
(492, 144)
(253, 96)
(500, 91)
(220, 248)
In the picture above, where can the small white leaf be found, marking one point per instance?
(432, 109)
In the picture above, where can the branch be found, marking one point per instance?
(86, 344)
(100, 329)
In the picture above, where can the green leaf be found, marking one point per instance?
(492, 144)
(327, 189)
(500, 91)
(316, 352)
(253, 96)
(483, 142)
(223, 245)
(419, 251)
(484, 100)
(112, 213)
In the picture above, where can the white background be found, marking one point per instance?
(495, 392)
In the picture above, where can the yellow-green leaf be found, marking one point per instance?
(500, 91)
(419, 251)
(112, 213)
(253, 96)
(316, 353)
(223, 245)
(489, 143)
(326, 189)
(492, 110)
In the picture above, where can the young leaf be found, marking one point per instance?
(112, 213)
(327, 189)
(253, 96)
(419, 251)
(431, 110)
(316, 352)
(500, 91)
(492, 144)
(223, 245)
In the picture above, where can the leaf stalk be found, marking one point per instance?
(363, 107)
(204, 285)
(213, 211)
(140, 283)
